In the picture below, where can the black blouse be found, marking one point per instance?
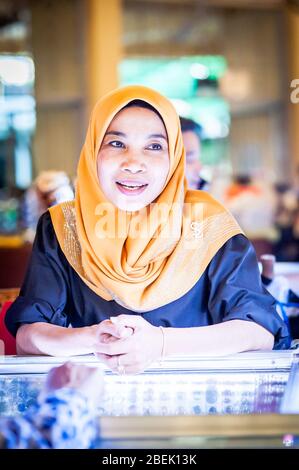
(230, 288)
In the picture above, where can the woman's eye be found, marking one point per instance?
(155, 147)
(116, 143)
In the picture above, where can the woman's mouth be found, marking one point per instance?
(131, 188)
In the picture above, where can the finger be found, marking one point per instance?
(128, 364)
(107, 326)
(123, 365)
(132, 359)
(123, 330)
(107, 338)
(117, 363)
(115, 348)
(132, 321)
(111, 361)
(112, 328)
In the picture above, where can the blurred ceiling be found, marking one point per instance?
(11, 11)
(255, 4)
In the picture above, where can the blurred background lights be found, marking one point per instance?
(17, 71)
(182, 107)
(199, 71)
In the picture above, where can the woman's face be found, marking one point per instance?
(133, 161)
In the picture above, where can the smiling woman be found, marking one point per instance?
(139, 265)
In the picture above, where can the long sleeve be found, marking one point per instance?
(44, 293)
(236, 290)
(60, 420)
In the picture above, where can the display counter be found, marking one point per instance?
(243, 400)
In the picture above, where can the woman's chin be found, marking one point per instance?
(130, 206)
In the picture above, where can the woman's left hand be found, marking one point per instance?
(135, 353)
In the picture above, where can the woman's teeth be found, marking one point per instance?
(132, 187)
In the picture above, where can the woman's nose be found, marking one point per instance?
(133, 165)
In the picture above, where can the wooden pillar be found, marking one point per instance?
(104, 47)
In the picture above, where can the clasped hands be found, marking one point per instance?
(127, 344)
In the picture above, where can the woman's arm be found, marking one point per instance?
(44, 338)
(224, 338)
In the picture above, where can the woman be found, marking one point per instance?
(170, 266)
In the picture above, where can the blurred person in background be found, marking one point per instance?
(287, 223)
(253, 205)
(64, 415)
(192, 135)
(49, 188)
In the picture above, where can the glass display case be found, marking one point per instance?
(249, 398)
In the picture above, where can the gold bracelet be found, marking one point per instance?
(163, 344)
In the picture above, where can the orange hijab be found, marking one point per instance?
(150, 257)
